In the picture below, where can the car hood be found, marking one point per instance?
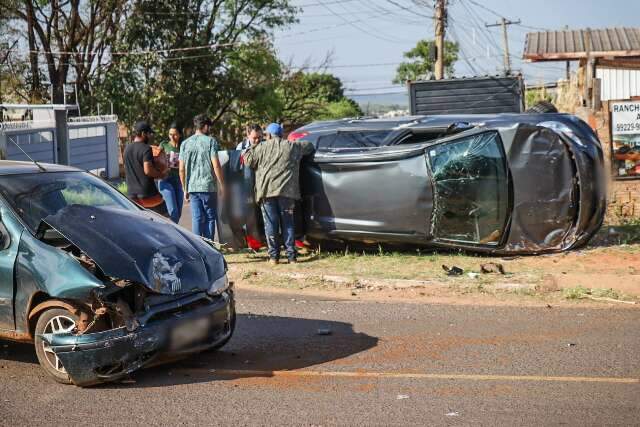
(140, 247)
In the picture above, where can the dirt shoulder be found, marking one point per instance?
(596, 275)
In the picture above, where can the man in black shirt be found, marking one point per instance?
(140, 171)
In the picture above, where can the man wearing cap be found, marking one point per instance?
(201, 177)
(277, 167)
(140, 170)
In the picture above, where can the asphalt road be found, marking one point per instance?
(381, 364)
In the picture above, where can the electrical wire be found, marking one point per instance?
(363, 30)
(393, 2)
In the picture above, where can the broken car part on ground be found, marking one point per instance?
(101, 286)
(501, 183)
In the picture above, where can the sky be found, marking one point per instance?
(366, 38)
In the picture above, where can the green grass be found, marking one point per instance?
(122, 187)
(580, 292)
(93, 197)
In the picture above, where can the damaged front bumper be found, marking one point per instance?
(110, 355)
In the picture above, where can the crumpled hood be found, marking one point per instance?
(140, 247)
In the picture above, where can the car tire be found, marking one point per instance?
(542, 107)
(49, 321)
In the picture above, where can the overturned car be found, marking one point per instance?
(101, 286)
(502, 184)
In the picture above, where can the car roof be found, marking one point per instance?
(11, 167)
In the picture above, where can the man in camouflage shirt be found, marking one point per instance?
(277, 168)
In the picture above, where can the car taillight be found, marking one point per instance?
(294, 136)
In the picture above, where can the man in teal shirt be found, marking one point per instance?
(201, 177)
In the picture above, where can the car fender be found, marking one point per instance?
(41, 268)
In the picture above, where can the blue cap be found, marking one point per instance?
(274, 129)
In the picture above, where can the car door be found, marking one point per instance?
(357, 187)
(12, 231)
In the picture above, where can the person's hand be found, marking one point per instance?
(186, 197)
(221, 192)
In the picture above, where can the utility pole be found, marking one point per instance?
(568, 76)
(503, 23)
(440, 24)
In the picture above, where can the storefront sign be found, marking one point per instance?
(625, 132)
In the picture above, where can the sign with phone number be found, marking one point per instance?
(625, 118)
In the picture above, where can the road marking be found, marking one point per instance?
(468, 377)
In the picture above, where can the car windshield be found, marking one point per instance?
(37, 195)
(471, 189)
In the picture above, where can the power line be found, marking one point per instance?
(359, 28)
(408, 10)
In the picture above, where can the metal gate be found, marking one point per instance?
(40, 146)
(88, 147)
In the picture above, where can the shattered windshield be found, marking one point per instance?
(38, 195)
(471, 189)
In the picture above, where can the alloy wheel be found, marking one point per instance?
(57, 325)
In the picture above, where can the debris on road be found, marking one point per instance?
(402, 396)
(452, 271)
(452, 414)
(473, 275)
(492, 267)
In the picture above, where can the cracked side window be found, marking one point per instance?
(471, 189)
(352, 140)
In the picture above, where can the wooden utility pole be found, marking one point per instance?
(440, 24)
(507, 59)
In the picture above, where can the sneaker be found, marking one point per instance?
(293, 261)
(273, 261)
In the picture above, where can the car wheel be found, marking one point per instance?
(53, 321)
(542, 107)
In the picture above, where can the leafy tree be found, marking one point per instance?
(66, 40)
(181, 79)
(339, 109)
(423, 62)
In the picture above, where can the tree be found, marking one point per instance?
(63, 38)
(203, 57)
(339, 109)
(423, 62)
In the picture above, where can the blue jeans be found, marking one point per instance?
(276, 211)
(204, 212)
(171, 190)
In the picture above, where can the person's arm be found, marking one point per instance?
(147, 164)
(307, 147)
(183, 178)
(151, 171)
(217, 169)
(250, 157)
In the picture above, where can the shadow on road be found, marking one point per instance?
(261, 343)
(264, 344)
(18, 352)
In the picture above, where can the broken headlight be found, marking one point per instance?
(219, 285)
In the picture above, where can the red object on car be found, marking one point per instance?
(294, 136)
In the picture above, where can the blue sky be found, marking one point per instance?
(367, 37)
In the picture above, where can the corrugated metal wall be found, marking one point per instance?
(618, 83)
(39, 146)
(482, 95)
(89, 147)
